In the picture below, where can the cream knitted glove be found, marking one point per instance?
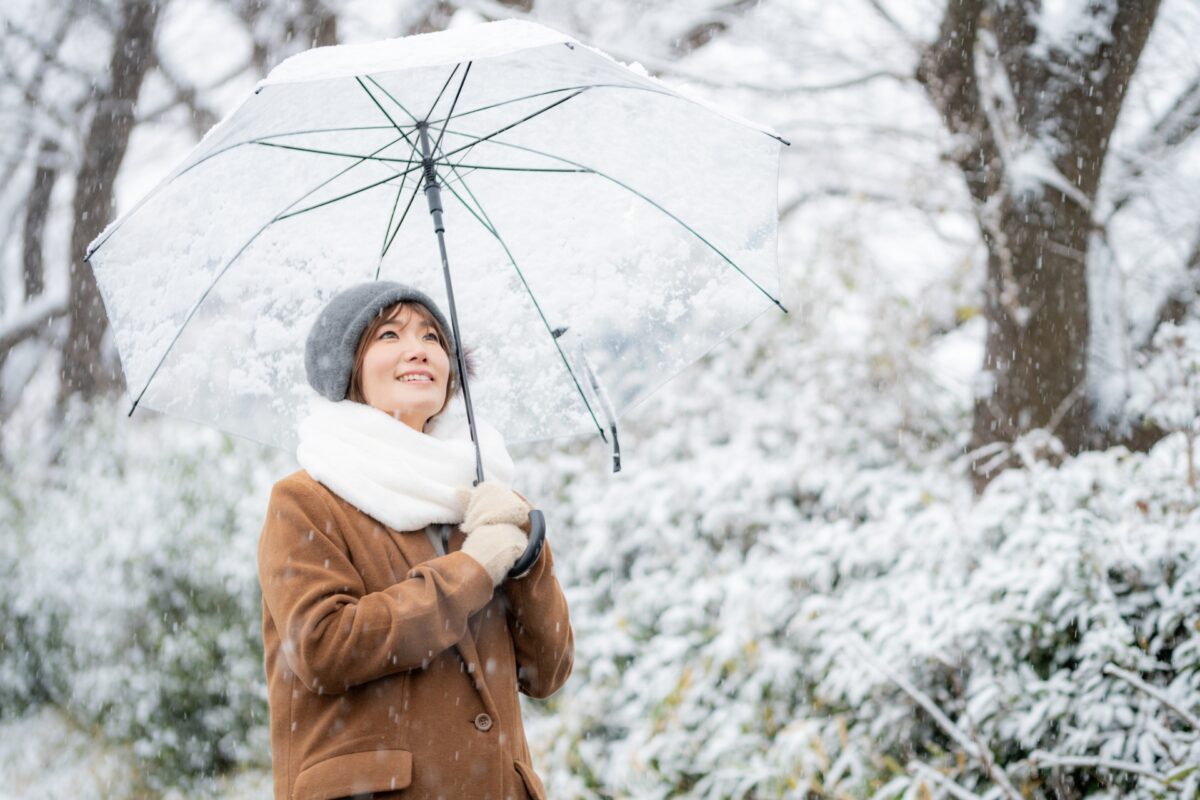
(497, 548)
(491, 503)
(492, 514)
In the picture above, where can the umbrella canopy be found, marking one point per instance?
(603, 230)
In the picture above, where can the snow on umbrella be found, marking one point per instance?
(603, 230)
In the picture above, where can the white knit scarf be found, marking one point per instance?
(402, 477)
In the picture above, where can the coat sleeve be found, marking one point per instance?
(335, 635)
(541, 628)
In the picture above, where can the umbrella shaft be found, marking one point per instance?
(433, 192)
(434, 196)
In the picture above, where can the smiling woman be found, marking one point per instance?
(395, 643)
(402, 365)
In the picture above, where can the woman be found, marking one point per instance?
(393, 665)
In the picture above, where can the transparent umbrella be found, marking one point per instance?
(594, 232)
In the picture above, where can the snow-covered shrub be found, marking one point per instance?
(131, 582)
(1165, 390)
(791, 591)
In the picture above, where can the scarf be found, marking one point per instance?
(402, 477)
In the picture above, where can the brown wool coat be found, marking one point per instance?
(394, 671)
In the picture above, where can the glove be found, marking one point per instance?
(491, 503)
(497, 548)
(492, 514)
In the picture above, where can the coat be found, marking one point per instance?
(392, 670)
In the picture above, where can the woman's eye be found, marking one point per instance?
(434, 335)
(385, 333)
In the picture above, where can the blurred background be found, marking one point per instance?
(932, 534)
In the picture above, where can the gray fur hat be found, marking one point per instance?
(329, 350)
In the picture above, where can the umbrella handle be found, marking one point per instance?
(537, 537)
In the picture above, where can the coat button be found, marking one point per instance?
(483, 722)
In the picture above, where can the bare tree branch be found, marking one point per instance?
(1159, 695)
(30, 320)
(941, 780)
(974, 749)
(202, 116)
(1172, 130)
(37, 208)
(887, 17)
(1042, 757)
(718, 22)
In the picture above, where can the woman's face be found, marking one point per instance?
(405, 370)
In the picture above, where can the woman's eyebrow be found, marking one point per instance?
(423, 324)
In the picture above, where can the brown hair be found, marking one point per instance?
(386, 315)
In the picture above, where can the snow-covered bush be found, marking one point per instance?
(130, 591)
(791, 591)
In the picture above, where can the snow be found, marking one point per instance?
(799, 490)
(459, 44)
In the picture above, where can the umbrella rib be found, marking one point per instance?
(399, 105)
(632, 190)
(438, 144)
(339, 153)
(263, 140)
(519, 169)
(229, 263)
(359, 190)
(388, 235)
(387, 229)
(438, 99)
(490, 106)
(383, 111)
(396, 230)
(491, 228)
(512, 125)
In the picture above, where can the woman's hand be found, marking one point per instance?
(492, 503)
(497, 548)
(492, 519)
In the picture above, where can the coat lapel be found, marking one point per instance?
(414, 546)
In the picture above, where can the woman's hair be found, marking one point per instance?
(355, 392)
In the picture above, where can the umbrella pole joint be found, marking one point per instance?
(433, 192)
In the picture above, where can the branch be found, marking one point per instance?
(30, 319)
(494, 10)
(1103, 763)
(48, 51)
(203, 117)
(976, 751)
(942, 781)
(658, 67)
(1157, 694)
(894, 25)
(1175, 127)
(703, 33)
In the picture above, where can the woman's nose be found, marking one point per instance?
(415, 352)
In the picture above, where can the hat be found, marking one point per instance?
(333, 339)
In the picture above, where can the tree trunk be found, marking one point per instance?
(87, 369)
(1032, 157)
